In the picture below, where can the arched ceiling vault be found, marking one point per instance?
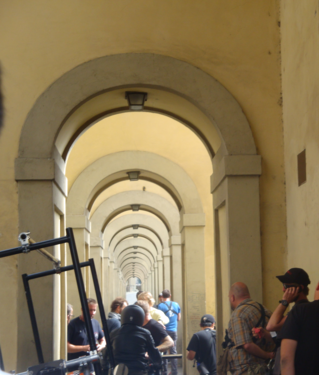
(141, 233)
(150, 223)
(121, 202)
(141, 267)
(93, 178)
(141, 243)
(133, 260)
(137, 252)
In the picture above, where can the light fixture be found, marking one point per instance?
(135, 207)
(136, 100)
(135, 226)
(133, 175)
(135, 235)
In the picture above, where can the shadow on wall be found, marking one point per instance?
(1, 104)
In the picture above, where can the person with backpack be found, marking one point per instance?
(173, 312)
(245, 354)
(202, 346)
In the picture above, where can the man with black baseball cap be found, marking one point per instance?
(295, 287)
(202, 346)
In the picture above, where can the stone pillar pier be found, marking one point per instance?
(42, 188)
(111, 269)
(156, 281)
(235, 189)
(160, 274)
(95, 254)
(81, 229)
(175, 244)
(153, 281)
(194, 306)
(167, 268)
(106, 284)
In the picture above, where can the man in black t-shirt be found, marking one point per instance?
(202, 346)
(299, 346)
(78, 343)
(161, 338)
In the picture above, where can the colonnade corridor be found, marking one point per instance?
(164, 190)
(148, 209)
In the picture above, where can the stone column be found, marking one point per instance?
(42, 187)
(167, 268)
(235, 189)
(81, 229)
(194, 307)
(160, 274)
(111, 290)
(106, 284)
(156, 281)
(95, 254)
(175, 244)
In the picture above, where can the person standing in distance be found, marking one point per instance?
(117, 307)
(202, 345)
(173, 311)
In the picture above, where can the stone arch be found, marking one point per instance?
(234, 183)
(144, 221)
(135, 242)
(129, 251)
(75, 87)
(141, 232)
(121, 202)
(103, 171)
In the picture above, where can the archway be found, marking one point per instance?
(39, 168)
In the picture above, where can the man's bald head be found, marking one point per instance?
(238, 292)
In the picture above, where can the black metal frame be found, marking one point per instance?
(69, 238)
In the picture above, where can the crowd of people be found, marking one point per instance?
(256, 342)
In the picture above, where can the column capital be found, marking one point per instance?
(192, 220)
(175, 240)
(35, 169)
(78, 221)
(234, 165)
(167, 252)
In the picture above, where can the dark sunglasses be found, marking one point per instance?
(286, 286)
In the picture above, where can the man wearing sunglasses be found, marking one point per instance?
(295, 287)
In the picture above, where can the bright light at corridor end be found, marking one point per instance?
(136, 100)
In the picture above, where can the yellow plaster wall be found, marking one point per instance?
(236, 41)
(300, 56)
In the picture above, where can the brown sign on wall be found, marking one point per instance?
(302, 175)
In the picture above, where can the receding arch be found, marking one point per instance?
(121, 202)
(140, 235)
(103, 170)
(139, 250)
(145, 221)
(130, 244)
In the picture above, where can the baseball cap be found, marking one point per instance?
(207, 318)
(295, 275)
